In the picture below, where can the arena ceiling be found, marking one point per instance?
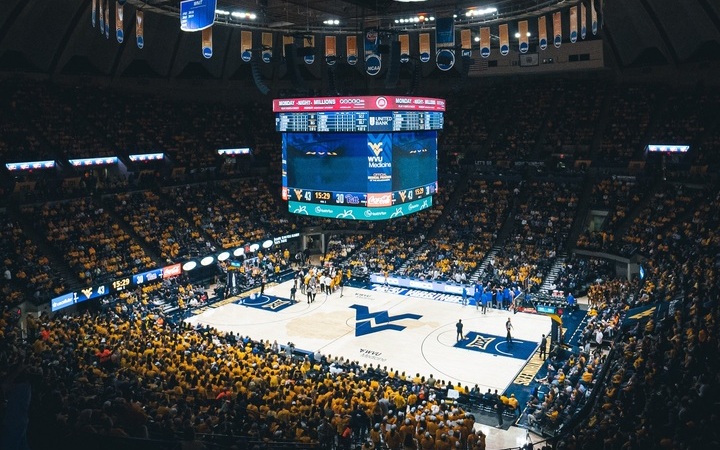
(56, 37)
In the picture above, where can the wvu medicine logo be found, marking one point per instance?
(364, 319)
(376, 147)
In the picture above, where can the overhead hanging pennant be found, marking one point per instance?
(101, 16)
(593, 18)
(330, 50)
(424, 44)
(267, 47)
(139, 28)
(542, 32)
(404, 40)
(207, 44)
(524, 44)
(373, 61)
(309, 57)
(107, 19)
(573, 24)
(557, 29)
(119, 29)
(352, 50)
(466, 42)
(93, 12)
(246, 38)
(504, 39)
(583, 21)
(445, 43)
(485, 42)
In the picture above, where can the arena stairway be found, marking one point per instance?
(548, 283)
(480, 272)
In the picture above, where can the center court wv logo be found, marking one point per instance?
(364, 318)
(376, 147)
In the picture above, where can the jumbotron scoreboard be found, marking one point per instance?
(361, 158)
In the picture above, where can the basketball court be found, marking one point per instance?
(407, 330)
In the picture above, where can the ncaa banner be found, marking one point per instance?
(466, 42)
(404, 40)
(107, 19)
(583, 21)
(557, 29)
(309, 43)
(445, 43)
(542, 32)
(573, 24)
(524, 45)
(246, 45)
(373, 62)
(424, 43)
(93, 12)
(504, 39)
(485, 42)
(119, 31)
(101, 17)
(352, 50)
(379, 171)
(330, 50)
(267, 47)
(593, 18)
(139, 28)
(207, 49)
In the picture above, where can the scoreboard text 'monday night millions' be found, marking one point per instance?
(362, 158)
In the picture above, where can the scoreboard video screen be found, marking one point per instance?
(371, 164)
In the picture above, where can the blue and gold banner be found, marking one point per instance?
(373, 62)
(207, 44)
(573, 24)
(542, 32)
(379, 170)
(309, 58)
(557, 29)
(485, 42)
(424, 43)
(445, 43)
(139, 28)
(351, 48)
(404, 40)
(524, 44)
(583, 21)
(246, 38)
(330, 50)
(119, 29)
(593, 18)
(267, 47)
(466, 42)
(504, 39)
(93, 12)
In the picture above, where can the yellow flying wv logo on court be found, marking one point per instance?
(376, 147)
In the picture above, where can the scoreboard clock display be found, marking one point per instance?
(363, 158)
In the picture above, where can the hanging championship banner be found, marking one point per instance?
(557, 29)
(466, 42)
(330, 50)
(445, 43)
(504, 39)
(287, 40)
(593, 18)
(267, 47)
(246, 45)
(119, 31)
(101, 17)
(352, 50)
(139, 25)
(542, 32)
(485, 42)
(583, 21)
(373, 62)
(309, 57)
(107, 19)
(573, 24)
(424, 41)
(93, 12)
(207, 49)
(404, 40)
(524, 45)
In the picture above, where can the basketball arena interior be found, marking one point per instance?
(359, 224)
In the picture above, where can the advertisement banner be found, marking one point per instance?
(373, 62)
(267, 47)
(379, 169)
(425, 285)
(424, 42)
(466, 42)
(196, 15)
(309, 58)
(404, 40)
(361, 103)
(445, 32)
(485, 42)
(330, 50)
(171, 271)
(557, 29)
(352, 50)
(139, 28)
(593, 18)
(147, 277)
(207, 47)
(246, 38)
(504, 39)
(573, 24)
(542, 32)
(358, 212)
(119, 31)
(524, 44)
(583, 21)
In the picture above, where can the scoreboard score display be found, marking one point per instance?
(362, 158)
